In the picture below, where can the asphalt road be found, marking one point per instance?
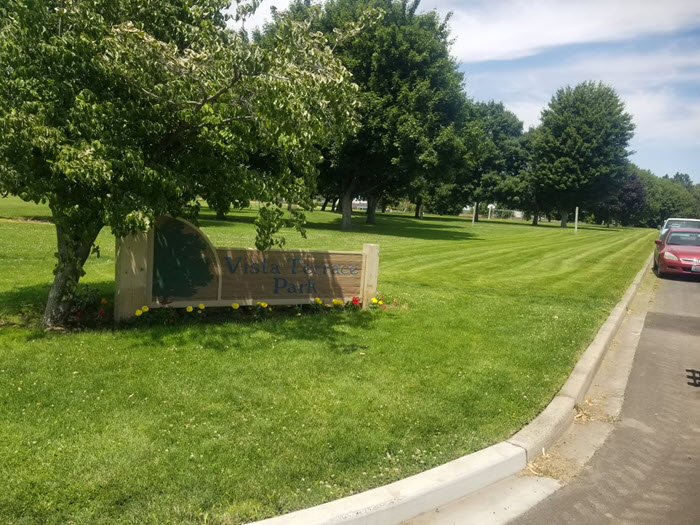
(648, 471)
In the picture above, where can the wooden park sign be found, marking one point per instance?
(177, 264)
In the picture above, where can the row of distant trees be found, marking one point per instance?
(421, 138)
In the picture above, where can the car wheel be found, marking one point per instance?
(656, 266)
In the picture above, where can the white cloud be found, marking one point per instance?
(511, 29)
(664, 118)
(659, 89)
(645, 81)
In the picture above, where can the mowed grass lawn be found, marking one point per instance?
(227, 423)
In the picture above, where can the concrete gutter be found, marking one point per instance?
(415, 495)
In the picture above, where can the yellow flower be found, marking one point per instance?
(318, 300)
(374, 300)
(337, 302)
(263, 305)
(201, 306)
(199, 311)
(381, 303)
(189, 308)
(103, 301)
(235, 306)
(144, 308)
(270, 308)
(138, 313)
(299, 314)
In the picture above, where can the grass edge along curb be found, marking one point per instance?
(559, 413)
(410, 497)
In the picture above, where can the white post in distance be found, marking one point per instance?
(576, 221)
(491, 207)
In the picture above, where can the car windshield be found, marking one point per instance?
(684, 239)
(683, 224)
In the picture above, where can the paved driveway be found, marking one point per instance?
(648, 471)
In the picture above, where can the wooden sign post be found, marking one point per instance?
(175, 263)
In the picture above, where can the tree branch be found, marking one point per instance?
(223, 121)
(183, 128)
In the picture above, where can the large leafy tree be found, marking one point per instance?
(501, 156)
(626, 204)
(494, 156)
(580, 152)
(116, 112)
(664, 198)
(412, 102)
(520, 187)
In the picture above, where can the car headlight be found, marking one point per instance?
(670, 257)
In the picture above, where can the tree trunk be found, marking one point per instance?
(325, 203)
(346, 205)
(535, 217)
(476, 212)
(220, 215)
(73, 251)
(419, 209)
(333, 203)
(564, 218)
(372, 209)
(383, 207)
(339, 206)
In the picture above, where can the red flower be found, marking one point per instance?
(383, 307)
(356, 301)
(100, 313)
(79, 314)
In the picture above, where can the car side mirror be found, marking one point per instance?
(658, 242)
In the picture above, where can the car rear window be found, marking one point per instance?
(684, 239)
(683, 224)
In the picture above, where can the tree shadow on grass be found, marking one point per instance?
(209, 220)
(227, 335)
(433, 229)
(406, 226)
(19, 305)
(23, 308)
(553, 225)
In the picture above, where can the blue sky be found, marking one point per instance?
(520, 52)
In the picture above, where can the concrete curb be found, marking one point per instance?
(546, 427)
(415, 495)
(409, 497)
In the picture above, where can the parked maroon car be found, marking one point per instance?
(678, 251)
